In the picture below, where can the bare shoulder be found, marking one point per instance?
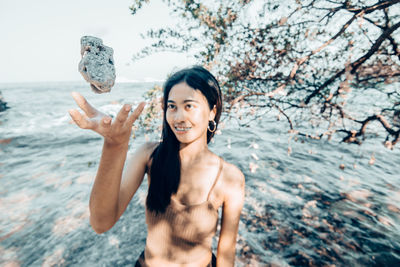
(146, 148)
(232, 175)
(234, 188)
(143, 152)
(149, 147)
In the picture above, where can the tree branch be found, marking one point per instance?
(394, 46)
(378, 6)
(352, 135)
(353, 66)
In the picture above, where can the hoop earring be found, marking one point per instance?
(214, 126)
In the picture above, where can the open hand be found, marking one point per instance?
(115, 132)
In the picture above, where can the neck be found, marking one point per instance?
(193, 151)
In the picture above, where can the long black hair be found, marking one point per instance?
(165, 170)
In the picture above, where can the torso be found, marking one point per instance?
(193, 198)
(197, 180)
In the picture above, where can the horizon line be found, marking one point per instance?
(83, 82)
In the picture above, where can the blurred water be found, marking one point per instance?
(301, 209)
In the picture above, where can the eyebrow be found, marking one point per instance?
(184, 101)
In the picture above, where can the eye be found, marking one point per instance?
(170, 106)
(189, 106)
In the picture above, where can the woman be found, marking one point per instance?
(187, 182)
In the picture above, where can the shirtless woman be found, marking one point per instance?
(187, 182)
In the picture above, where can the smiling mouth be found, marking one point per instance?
(182, 129)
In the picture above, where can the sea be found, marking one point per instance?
(308, 202)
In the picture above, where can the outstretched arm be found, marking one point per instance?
(108, 199)
(231, 209)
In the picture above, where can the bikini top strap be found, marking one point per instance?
(216, 179)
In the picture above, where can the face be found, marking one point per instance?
(188, 113)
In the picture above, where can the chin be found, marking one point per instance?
(185, 139)
(189, 137)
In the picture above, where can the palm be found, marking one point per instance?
(115, 132)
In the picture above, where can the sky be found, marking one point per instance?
(40, 40)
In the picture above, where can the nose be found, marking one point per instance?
(180, 115)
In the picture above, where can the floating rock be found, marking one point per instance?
(3, 104)
(97, 64)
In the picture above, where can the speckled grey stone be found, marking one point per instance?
(97, 64)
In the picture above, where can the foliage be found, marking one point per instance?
(151, 119)
(325, 66)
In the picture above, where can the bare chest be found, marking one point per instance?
(198, 185)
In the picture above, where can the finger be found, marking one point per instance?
(84, 105)
(80, 120)
(105, 122)
(135, 114)
(123, 114)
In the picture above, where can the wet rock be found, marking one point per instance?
(3, 104)
(97, 64)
